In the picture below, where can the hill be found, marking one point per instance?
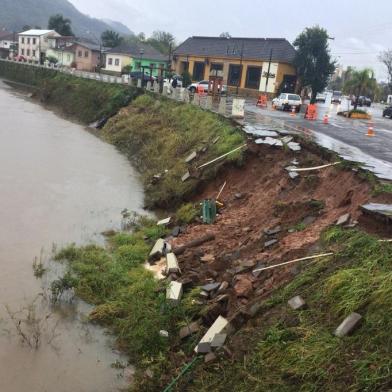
(17, 13)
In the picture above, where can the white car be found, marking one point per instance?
(204, 83)
(286, 101)
(321, 97)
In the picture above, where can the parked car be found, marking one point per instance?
(204, 83)
(387, 112)
(362, 101)
(286, 101)
(141, 75)
(337, 97)
(321, 97)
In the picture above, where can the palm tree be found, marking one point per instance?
(360, 82)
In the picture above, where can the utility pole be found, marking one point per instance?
(170, 55)
(241, 58)
(268, 72)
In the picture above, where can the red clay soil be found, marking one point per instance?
(260, 196)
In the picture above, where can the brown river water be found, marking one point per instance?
(58, 184)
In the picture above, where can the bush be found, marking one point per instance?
(187, 213)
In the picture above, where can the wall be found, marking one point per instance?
(146, 64)
(123, 59)
(88, 61)
(65, 58)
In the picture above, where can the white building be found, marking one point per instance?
(33, 44)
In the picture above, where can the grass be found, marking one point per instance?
(158, 134)
(297, 351)
(187, 213)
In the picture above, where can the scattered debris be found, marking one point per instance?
(210, 357)
(221, 157)
(157, 250)
(294, 146)
(348, 325)
(239, 196)
(191, 157)
(243, 286)
(224, 285)
(343, 220)
(297, 303)
(196, 242)
(273, 231)
(316, 167)
(270, 243)
(172, 264)
(381, 211)
(210, 287)
(207, 258)
(270, 141)
(216, 140)
(163, 333)
(176, 231)
(164, 222)
(293, 175)
(174, 292)
(189, 330)
(220, 326)
(286, 139)
(218, 340)
(186, 176)
(220, 191)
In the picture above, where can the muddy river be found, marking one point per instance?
(58, 184)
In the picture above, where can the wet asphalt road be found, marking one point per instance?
(345, 136)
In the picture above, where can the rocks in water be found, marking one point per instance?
(348, 325)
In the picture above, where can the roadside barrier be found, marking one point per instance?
(326, 119)
(262, 101)
(370, 131)
(311, 113)
(292, 114)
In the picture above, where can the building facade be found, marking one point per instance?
(249, 65)
(33, 44)
(137, 58)
(8, 44)
(87, 56)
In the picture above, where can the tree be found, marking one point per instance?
(111, 39)
(360, 83)
(225, 34)
(60, 24)
(386, 58)
(141, 37)
(162, 41)
(313, 59)
(186, 79)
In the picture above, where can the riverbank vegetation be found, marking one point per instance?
(158, 134)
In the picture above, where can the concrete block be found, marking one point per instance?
(186, 176)
(189, 330)
(157, 250)
(222, 106)
(163, 333)
(174, 292)
(164, 222)
(172, 264)
(294, 146)
(348, 325)
(191, 157)
(164, 91)
(297, 303)
(211, 287)
(293, 175)
(343, 220)
(139, 83)
(218, 340)
(148, 87)
(220, 326)
(156, 87)
(196, 99)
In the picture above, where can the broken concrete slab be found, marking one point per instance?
(270, 243)
(293, 175)
(210, 287)
(163, 333)
(273, 231)
(294, 162)
(343, 220)
(297, 303)
(164, 222)
(157, 250)
(186, 176)
(286, 139)
(291, 168)
(189, 330)
(270, 141)
(218, 340)
(174, 292)
(382, 212)
(220, 326)
(224, 286)
(172, 264)
(249, 129)
(348, 325)
(294, 146)
(191, 157)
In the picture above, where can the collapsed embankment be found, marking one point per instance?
(266, 218)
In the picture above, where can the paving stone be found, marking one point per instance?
(348, 325)
(210, 287)
(191, 157)
(344, 219)
(218, 340)
(189, 330)
(273, 231)
(297, 303)
(270, 243)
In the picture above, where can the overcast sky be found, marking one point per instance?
(362, 28)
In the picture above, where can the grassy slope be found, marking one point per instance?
(289, 350)
(158, 134)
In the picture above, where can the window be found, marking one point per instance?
(80, 54)
(294, 97)
(28, 40)
(184, 66)
(234, 75)
(253, 75)
(33, 53)
(198, 71)
(28, 52)
(110, 61)
(117, 62)
(216, 67)
(22, 40)
(34, 41)
(22, 52)
(86, 53)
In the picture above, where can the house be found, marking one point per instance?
(8, 43)
(88, 56)
(243, 62)
(62, 49)
(33, 44)
(138, 56)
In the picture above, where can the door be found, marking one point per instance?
(198, 71)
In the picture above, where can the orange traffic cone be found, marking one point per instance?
(292, 114)
(325, 119)
(370, 131)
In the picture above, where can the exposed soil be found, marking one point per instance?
(261, 196)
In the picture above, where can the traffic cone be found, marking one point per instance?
(292, 114)
(325, 119)
(370, 131)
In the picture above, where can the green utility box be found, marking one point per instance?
(209, 211)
